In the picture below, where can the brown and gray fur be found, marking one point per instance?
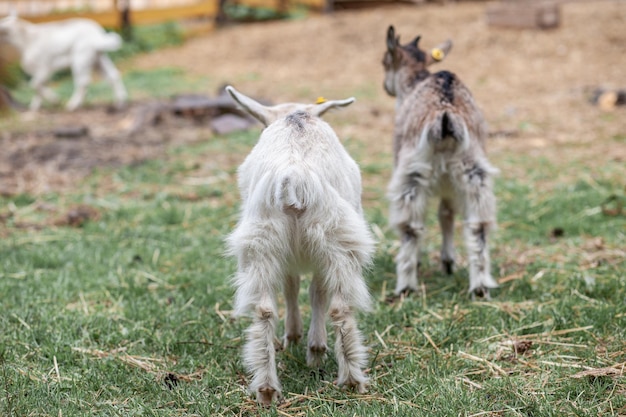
(439, 151)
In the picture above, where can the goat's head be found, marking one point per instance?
(408, 58)
(269, 114)
(7, 25)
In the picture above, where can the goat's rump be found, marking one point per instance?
(294, 191)
(440, 113)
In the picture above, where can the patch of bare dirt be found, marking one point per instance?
(534, 87)
(54, 151)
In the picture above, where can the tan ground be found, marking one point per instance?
(532, 85)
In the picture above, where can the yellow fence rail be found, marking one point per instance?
(109, 15)
(112, 17)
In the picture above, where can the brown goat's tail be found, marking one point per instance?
(446, 125)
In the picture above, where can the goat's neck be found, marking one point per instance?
(407, 80)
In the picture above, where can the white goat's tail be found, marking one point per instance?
(108, 42)
(292, 192)
(295, 190)
(445, 124)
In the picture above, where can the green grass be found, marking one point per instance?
(162, 82)
(129, 314)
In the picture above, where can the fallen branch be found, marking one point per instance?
(492, 366)
(612, 371)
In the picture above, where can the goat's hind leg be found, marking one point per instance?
(408, 208)
(293, 320)
(350, 352)
(476, 240)
(317, 337)
(480, 214)
(113, 77)
(257, 283)
(260, 353)
(446, 221)
(345, 251)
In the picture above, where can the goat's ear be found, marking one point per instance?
(416, 41)
(10, 18)
(320, 109)
(260, 112)
(392, 40)
(439, 52)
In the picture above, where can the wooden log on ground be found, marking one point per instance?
(524, 14)
(197, 106)
(220, 112)
(71, 132)
(607, 100)
(229, 123)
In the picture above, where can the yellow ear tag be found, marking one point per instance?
(437, 54)
(320, 100)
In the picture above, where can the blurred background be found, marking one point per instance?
(114, 285)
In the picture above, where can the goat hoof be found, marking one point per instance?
(318, 349)
(397, 295)
(448, 266)
(315, 355)
(406, 292)
(481, 292)
(291, 339)
(353, 384)
(265, 395)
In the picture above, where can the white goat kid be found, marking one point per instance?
(439, 150)
(78, 44)
(301, 209)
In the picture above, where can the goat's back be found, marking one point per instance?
(442, 103)
(299, 164)
(72, 35)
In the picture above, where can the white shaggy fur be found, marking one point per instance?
(439, 147)
(78, 44)
(301, 210)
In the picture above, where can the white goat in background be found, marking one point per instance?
(78, 44)
(439, 150)
(301, 210)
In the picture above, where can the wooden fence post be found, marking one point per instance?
(123, 8)
(524, 14)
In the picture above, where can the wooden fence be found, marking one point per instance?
(109, 13)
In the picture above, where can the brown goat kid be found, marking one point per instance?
(439, 150)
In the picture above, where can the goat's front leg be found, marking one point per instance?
(446, 221)
(82, 65)
(408, 209)
(260, 354)
(293, 320)
(480, 214)
(80, 89)
(349, 350)
(41, 91)
(316, 349)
